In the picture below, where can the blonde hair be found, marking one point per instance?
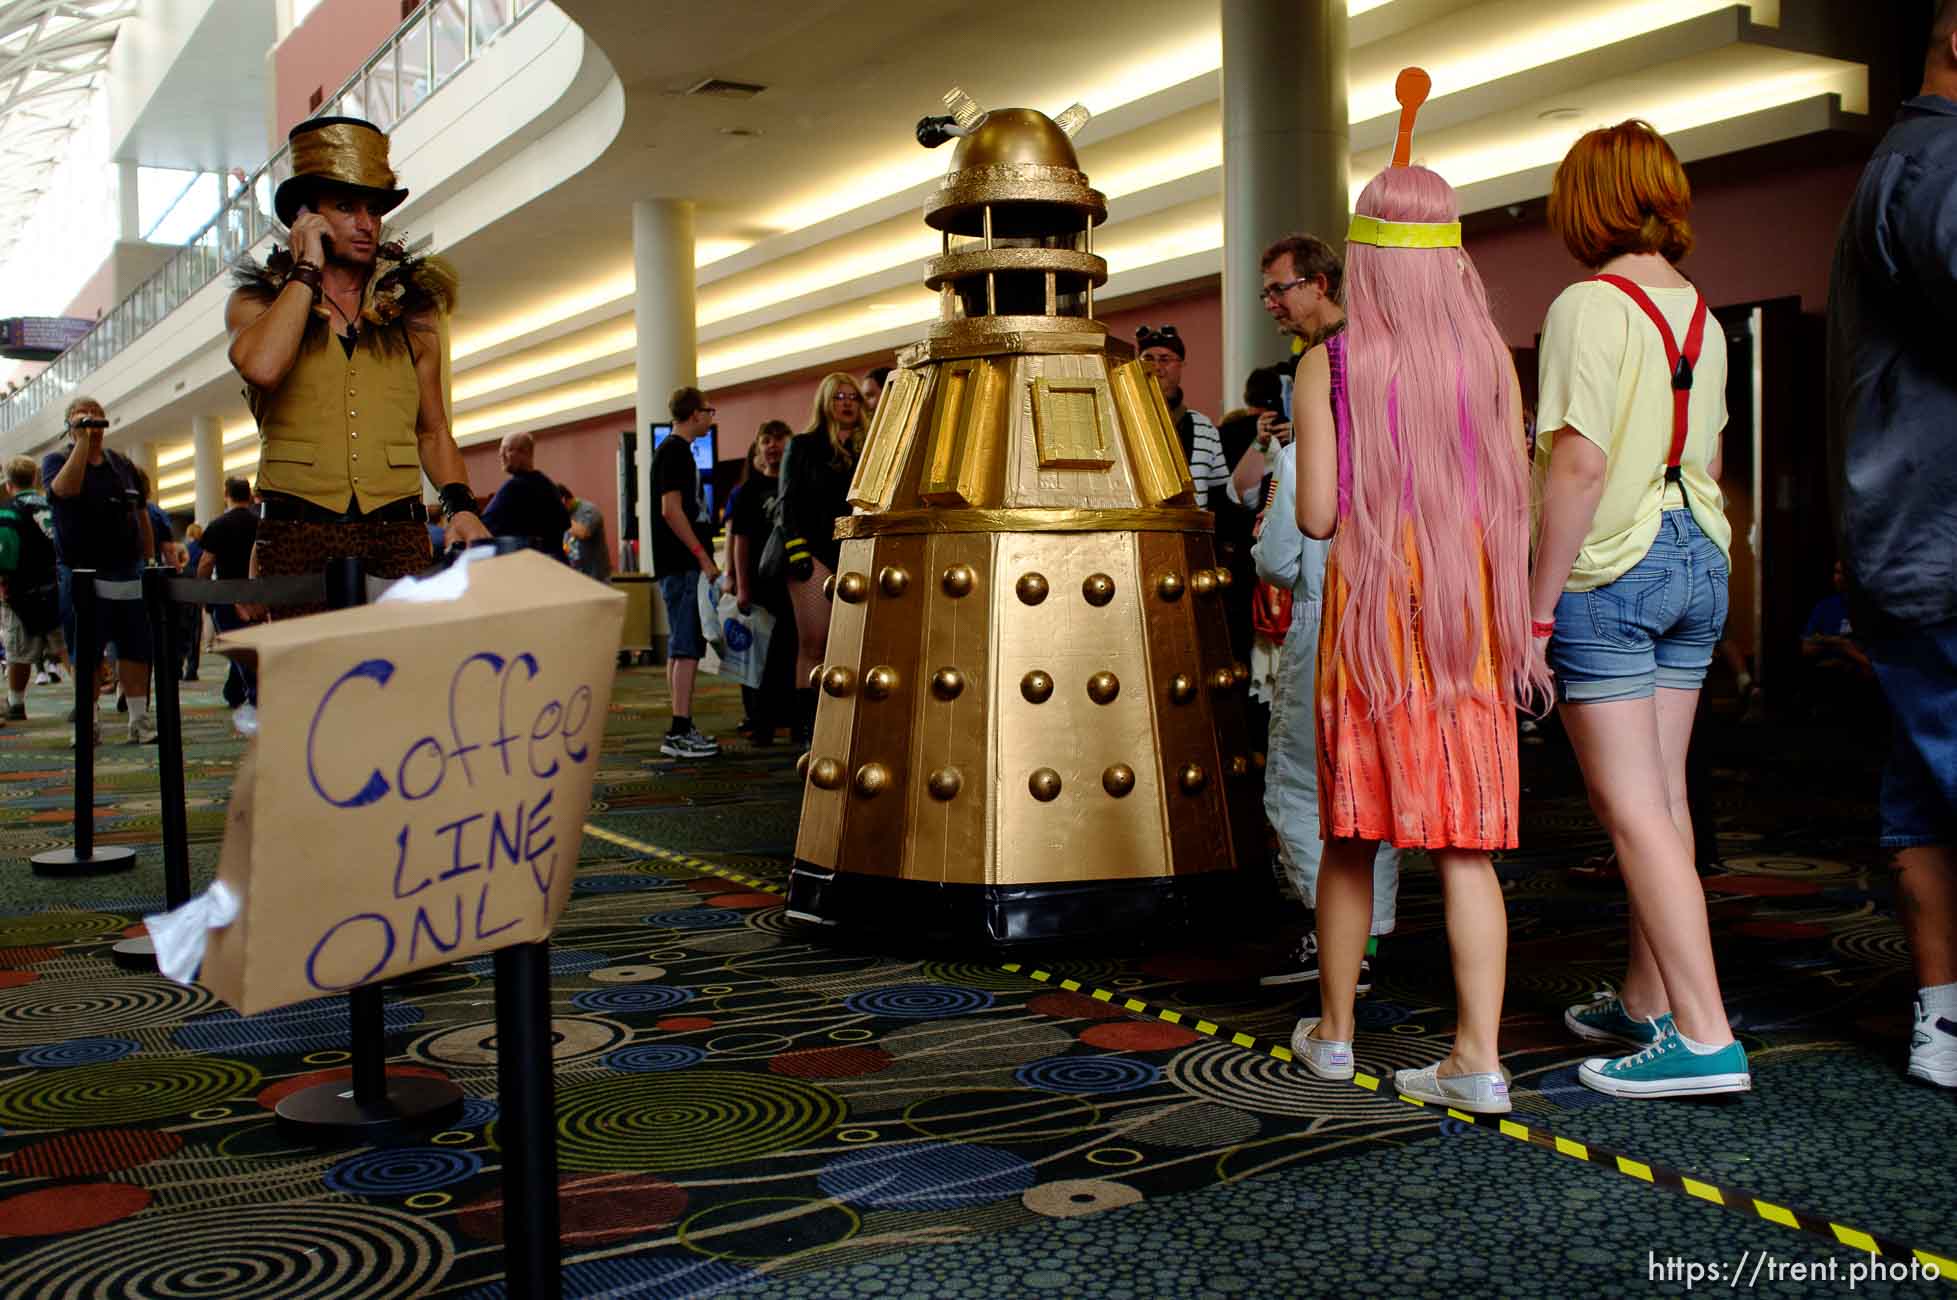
(22, 473)
(841, 452)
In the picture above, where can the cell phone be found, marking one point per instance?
(325, 240)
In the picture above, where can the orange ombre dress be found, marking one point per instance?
(1419, 775)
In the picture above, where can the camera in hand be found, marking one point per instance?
(90, 423)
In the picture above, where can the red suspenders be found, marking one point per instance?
(1682, 363)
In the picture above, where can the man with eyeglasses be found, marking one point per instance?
(681, 552)
(1162, 351)
(1303, 277)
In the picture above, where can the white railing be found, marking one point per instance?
(435, 42)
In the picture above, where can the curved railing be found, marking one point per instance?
(431, 45)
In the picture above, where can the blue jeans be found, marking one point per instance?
(1917, 668)
(241, 683)
(681, 592)
(1654, 626)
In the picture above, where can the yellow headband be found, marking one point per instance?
(1403, 234)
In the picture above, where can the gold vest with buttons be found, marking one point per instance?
(341, 428)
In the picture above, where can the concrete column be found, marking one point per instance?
(207, 459)
(668, 354)
(129, 212)
(1286, 144)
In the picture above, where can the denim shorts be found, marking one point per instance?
(1654, 626)
(1918, 671)
(123, 624)
(681, 592)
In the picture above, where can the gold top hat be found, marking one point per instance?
(345, 151)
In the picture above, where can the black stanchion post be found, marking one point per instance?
(84, 859)
(379, 1105)
(140, 954)
(527, 1091)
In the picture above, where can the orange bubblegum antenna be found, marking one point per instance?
(1411, 90)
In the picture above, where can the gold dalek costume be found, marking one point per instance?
(1030, 726)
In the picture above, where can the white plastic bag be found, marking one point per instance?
(743, 641)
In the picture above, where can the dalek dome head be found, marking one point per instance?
(1016, 211)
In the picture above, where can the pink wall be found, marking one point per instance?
(583, 455)
(1198, 318)
(1764, 238)
(322, 52)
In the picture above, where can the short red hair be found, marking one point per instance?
(1621, 190)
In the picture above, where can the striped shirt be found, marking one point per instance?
(1206, 464)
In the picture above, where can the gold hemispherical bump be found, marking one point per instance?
(1102, 687)
(1239, 673)
(1192, 779)
(947, 683)
(839, 682)
(802, 766)
(1036, 686)
(1169, 586)
(872, 779)
(1203, 582)
(945, 783)
(1223, 578)
(1044, 784)
(1032, 588)
(893, 581)
(815, 677)
(1118, 780)
(1181, 688)
(879, 682)
(829, 587)
(959, 580)
(1223, 679)
(1239, 766)
(1098, 589)
(826, 774)
(1258, 760)
(853, 588)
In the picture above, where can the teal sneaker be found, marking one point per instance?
(1668, 1068)
(1604, 1020)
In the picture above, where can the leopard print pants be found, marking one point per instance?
(389, 550)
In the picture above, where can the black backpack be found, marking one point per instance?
(27, 563)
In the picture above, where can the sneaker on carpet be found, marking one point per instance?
(17, 712)
(688, 744)
(142, 729)
(1933, 1048)
(1668, 1068)
(1604, 1020)
(1325, 1057)
(1302, 967)
(122, 702)
(1479, 1094)
(244, 719)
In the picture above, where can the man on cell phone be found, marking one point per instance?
(343, 341)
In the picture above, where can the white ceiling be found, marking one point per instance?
(53, 54)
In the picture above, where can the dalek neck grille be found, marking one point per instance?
(1017, 216)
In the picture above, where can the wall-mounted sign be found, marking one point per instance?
(40, 338)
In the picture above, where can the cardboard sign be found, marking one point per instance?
(418, 787)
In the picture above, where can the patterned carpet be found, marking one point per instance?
(742, 1110)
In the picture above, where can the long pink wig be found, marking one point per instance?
(1434, 441)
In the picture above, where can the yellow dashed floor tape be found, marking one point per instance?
(1730, 1197)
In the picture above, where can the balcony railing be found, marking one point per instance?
(434, 43)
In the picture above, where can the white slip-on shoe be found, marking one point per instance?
(1327, 1058)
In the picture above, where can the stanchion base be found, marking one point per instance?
(136, 954)
(107, 858)
(326, 1113)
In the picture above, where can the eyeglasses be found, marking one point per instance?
(1272, 292)
(844, 395)
(710, 410)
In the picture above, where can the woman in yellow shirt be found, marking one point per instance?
(1630, 583)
